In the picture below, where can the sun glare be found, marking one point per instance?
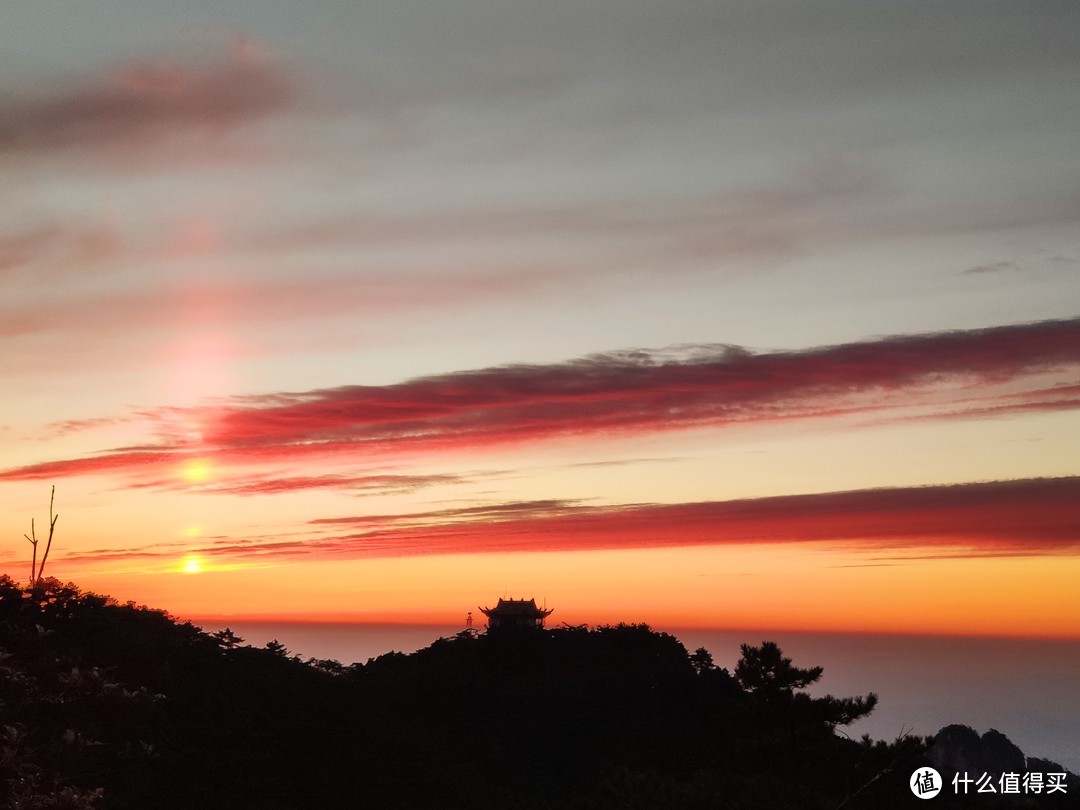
(196, 470)
(192, 565)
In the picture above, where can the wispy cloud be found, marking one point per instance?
(353, 484)
(66, 427)
(142, 103)
(64, 247)
(484, 513)
(198, 304)
(996, 267)
(972, 373)
(125, 460)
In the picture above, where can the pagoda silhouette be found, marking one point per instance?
(516, 614)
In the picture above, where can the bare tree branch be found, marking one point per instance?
(35, 569)
(52, 527)
(33, 542)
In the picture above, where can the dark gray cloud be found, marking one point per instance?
(996, 267)
(144, 103)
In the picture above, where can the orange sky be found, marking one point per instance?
(793, 587)
(380, 312)
(828, 489)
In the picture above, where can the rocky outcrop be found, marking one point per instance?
(960, 749)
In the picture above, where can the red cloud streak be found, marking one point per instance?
(644, 390)
(971, 373)
(1029, 516)
(1008, 518)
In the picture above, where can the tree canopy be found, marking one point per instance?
(109, 705)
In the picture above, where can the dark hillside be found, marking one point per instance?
(108, 706)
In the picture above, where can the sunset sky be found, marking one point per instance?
(705, 314)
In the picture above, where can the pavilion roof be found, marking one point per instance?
(516, 607)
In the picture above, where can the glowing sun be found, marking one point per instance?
(192, 565)
(196, 470)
